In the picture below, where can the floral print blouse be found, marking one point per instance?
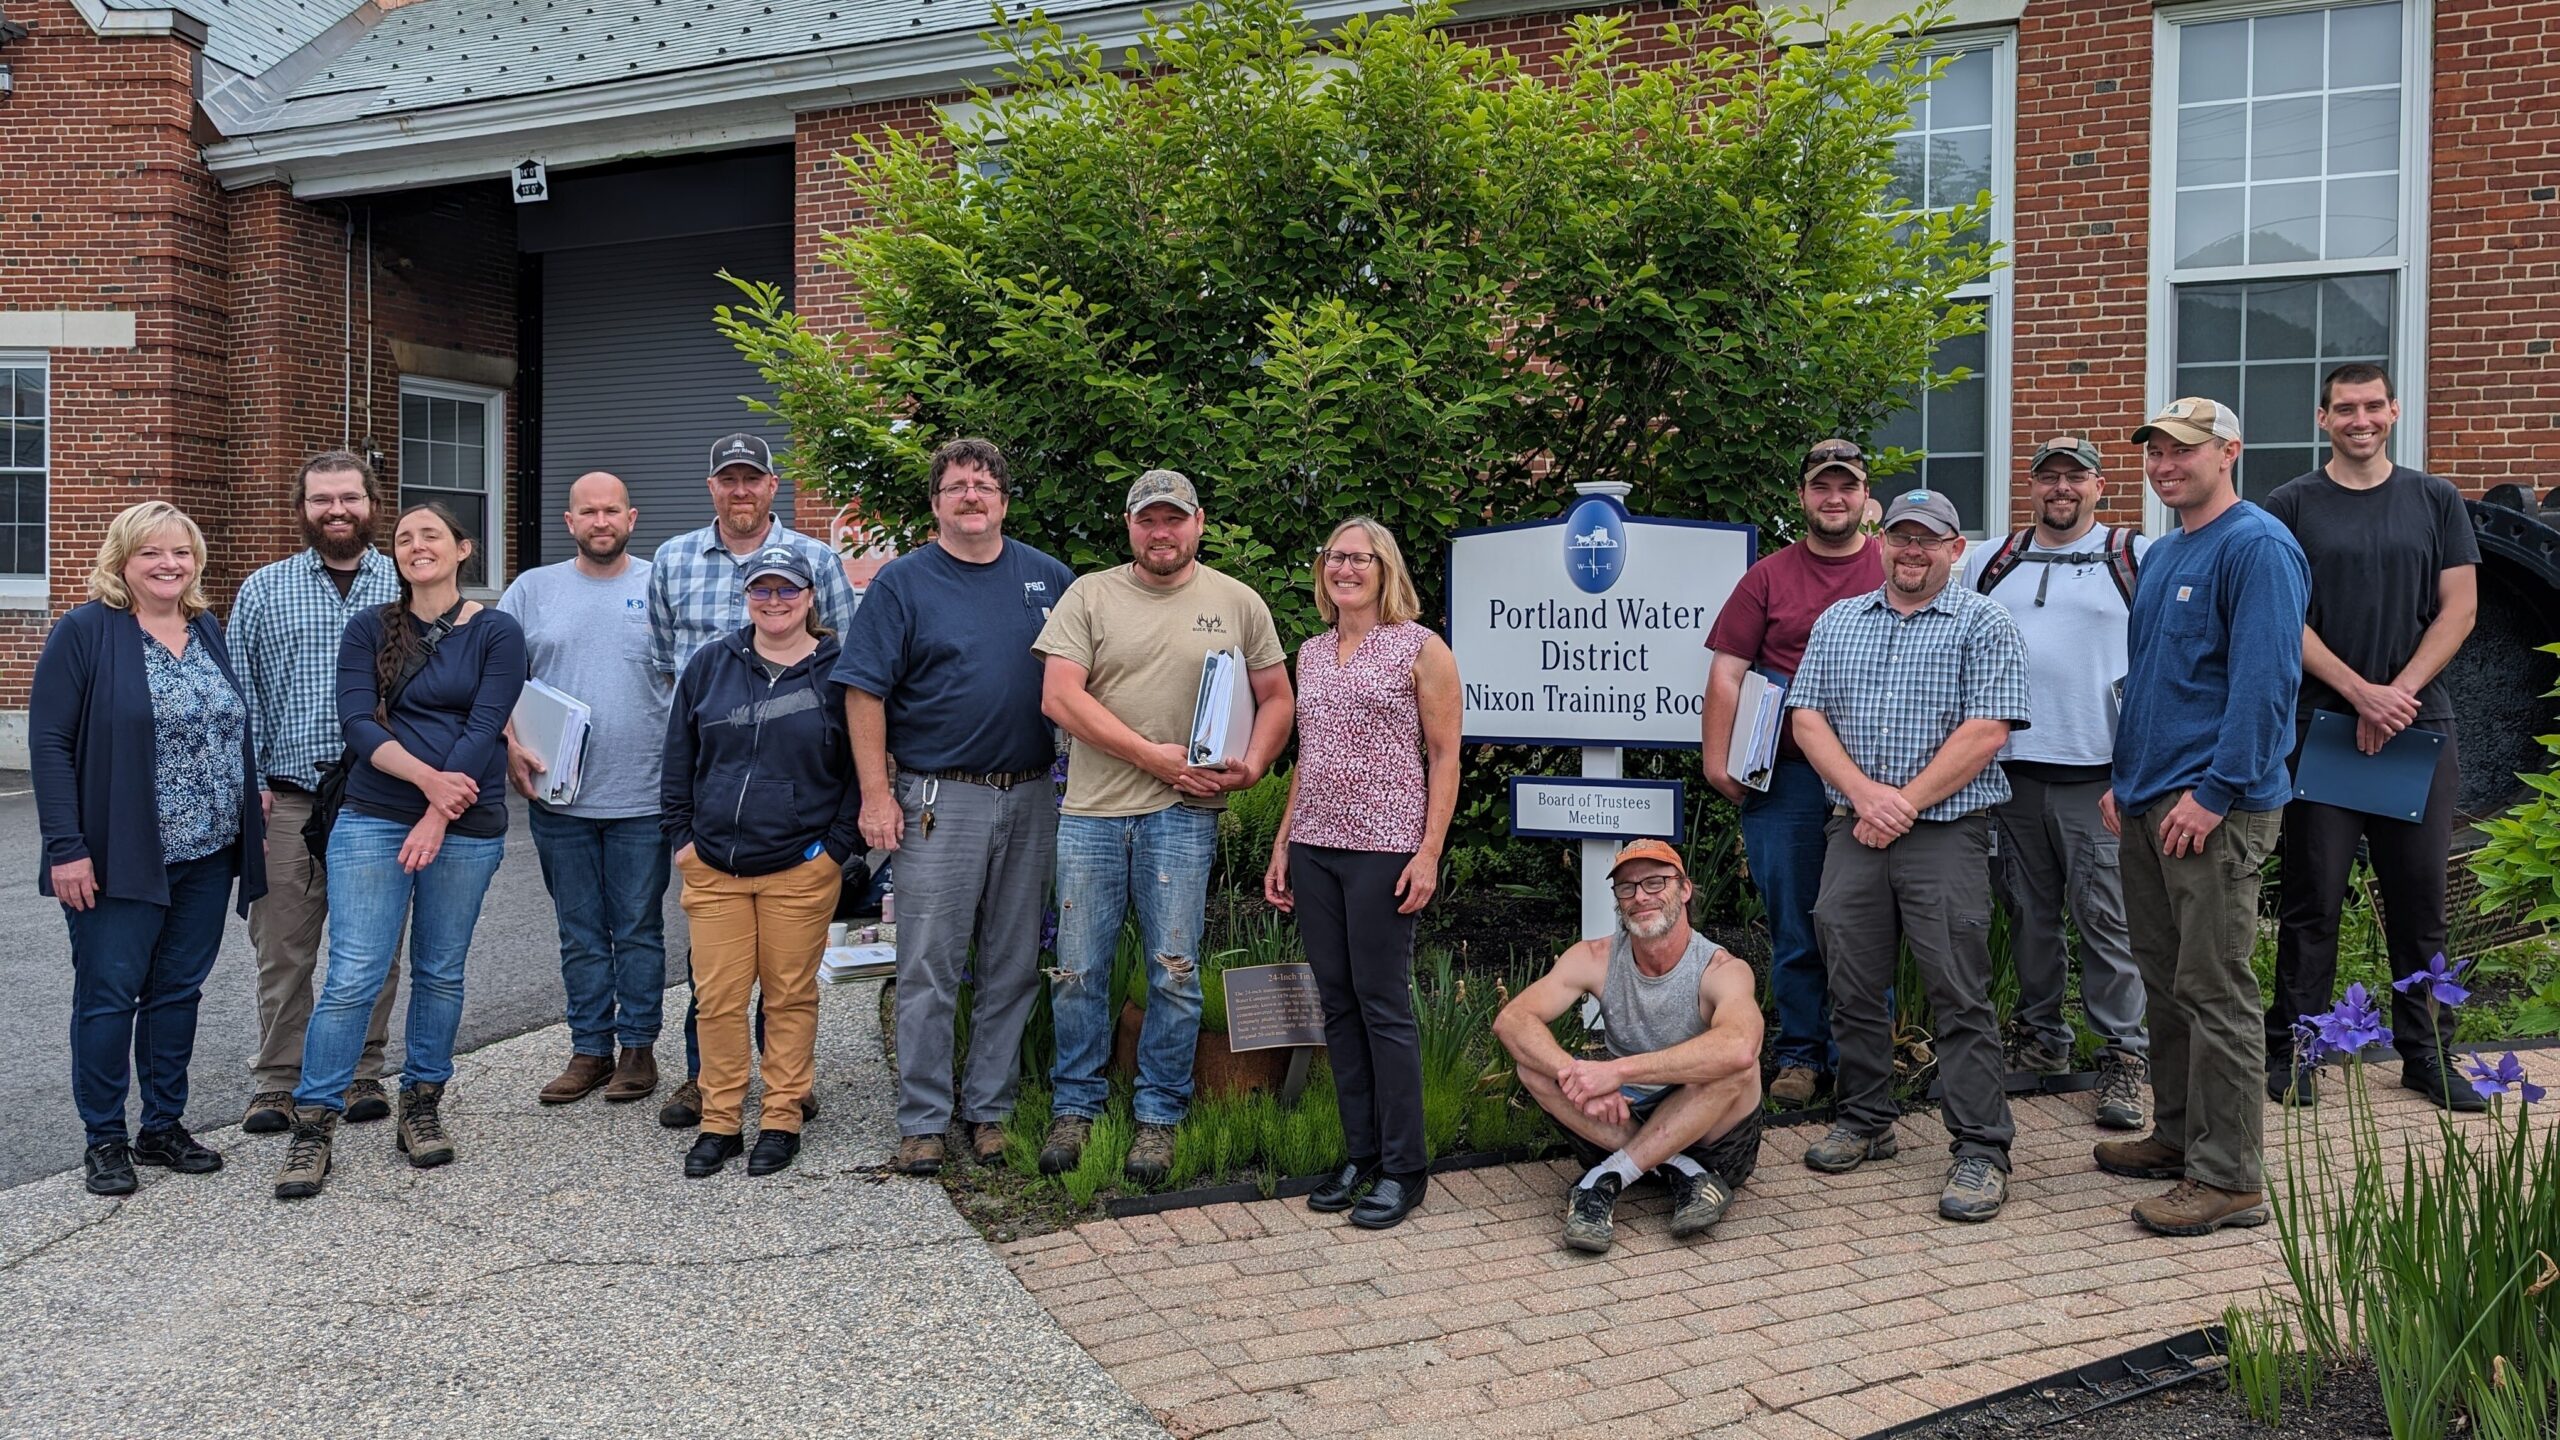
(198, 722)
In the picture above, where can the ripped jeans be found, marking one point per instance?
(1160, 864)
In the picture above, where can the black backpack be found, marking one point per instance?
(330, 795)
(2122, 566)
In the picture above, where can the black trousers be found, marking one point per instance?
(1362, 954)
(2319, 850)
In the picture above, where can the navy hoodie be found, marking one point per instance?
(759, 768)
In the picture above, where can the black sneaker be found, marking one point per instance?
(109, 1168)
(1587, 1224)
(2298, 1085)
(177, 1150)
(2426, 1075)
(1697, 1201)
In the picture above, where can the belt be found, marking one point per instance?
(1843, 812)
(993, 781)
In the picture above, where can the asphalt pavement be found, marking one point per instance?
(511, 985)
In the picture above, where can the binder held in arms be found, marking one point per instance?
(1222, 721)
(553, 727)
(1751, 755)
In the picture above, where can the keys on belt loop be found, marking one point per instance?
(924, 821)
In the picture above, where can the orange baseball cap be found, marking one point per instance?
(1649, 850)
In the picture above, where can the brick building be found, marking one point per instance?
(237, 231)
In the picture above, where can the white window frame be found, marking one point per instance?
(494, 543)
(34, 592)
(2408, 362)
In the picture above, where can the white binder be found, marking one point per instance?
(1222, 721)
(1751, 754)
(553, 726)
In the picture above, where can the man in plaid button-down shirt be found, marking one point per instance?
(1904, 699)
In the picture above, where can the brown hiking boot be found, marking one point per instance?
(585, 1073)
(1794, 1086)
(920, 1155)
(421, 1134)
(2143, 1159)
(635, 1075)
(1150, 1155)
(270, 1112)
(306, 1156)
(1064, 1149)
(2194, 1208)
(986, 1142)
(366, 1103)
(683, 1109)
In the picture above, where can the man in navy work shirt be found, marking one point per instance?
(1905, 697)
(2214, 656)
(938, 672)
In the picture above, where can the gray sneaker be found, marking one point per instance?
(1697, 1201)
(1844, 1150)
(2120, 1081)
(1975, 1191)
(1587, 1223)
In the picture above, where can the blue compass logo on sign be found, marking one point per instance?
(1595, 545)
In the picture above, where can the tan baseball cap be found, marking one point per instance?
(1649, 850)
(2192, 421)
(1835, 454)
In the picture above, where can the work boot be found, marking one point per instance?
(270, 1113)
(585, 1073)
(2194, 1208)
(1064, 1149)
(421, 1134)
(986, 1142)
(2120, 1080)
(683, 1109)
(306, 1155)
(2043, 1059)
(1587, 1223)
(709, 1153)
(920, 1155)
(774, 1152)
(1844, 1150)
(1150, 1155)
(1975, 1191)
(2143, 1159)
(2297, 1085)
(366, 1103)
(2426, 1075)
(1794, 1086)
(1697, 1201)
(108, 1168)
(635, 1075)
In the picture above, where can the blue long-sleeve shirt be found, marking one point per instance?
(453, 715)
(2214, 659)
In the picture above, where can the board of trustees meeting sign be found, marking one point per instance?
(1590, 629)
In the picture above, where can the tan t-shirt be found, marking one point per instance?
(1141, 649)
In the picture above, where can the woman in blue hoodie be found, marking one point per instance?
(761, 809)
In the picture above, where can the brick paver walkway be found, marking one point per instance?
(1822, 1306)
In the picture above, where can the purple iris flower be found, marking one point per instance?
(2441, 983)
(2352, 1024)
(2504, 1078)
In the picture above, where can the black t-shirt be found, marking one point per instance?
(2376, 556)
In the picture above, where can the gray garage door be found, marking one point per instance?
(636, 381)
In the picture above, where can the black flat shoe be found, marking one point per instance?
(709, 1153)
(1386, 1205)
(1344, 1187)
(775, 1150)
(109, 1166)
(2426, 1075)
(177, 1150)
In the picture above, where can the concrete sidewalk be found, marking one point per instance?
(562, 1277)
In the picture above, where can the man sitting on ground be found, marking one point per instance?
(1679, 1093)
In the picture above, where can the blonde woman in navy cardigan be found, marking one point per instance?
(147, 797)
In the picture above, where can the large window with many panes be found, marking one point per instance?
(2289, 219)
(25, 433)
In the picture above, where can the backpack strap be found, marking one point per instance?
(2002, 561)
(2123, 566)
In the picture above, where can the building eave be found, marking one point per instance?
(110, 22)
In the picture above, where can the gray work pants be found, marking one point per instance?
(284, 927)
(981, 879)
(2195, 924)
(2056, 855)
(1930, 887)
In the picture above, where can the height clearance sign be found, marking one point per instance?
(1590, 629)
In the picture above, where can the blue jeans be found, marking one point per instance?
(608, 884)
(1782, 835)
(369, 898)
(1161, 863)
(137, 970)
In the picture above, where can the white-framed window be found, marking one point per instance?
(26, 410)
(2289, 221)
(1960, 143)
(453, 450)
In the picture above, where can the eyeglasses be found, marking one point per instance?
(971, 487)
(1359, 560)
(1896, 540)
(1650, 885)
(775, 592)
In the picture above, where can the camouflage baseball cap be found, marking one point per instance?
(2192, 421)
(2080, 450)
(1164, 487)
(1835, 454)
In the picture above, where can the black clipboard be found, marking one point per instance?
(2392, 784)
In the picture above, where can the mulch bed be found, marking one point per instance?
(2346, 1406)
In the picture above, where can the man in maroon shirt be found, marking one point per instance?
(1764, 627)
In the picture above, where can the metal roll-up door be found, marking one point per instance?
(636, 380)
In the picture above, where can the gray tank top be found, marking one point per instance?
(1643, 1013)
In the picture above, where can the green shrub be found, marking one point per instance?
(1104, 1153)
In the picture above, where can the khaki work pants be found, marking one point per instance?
(751, 931)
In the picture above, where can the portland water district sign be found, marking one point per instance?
(1590, 629)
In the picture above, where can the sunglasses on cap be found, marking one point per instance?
(1834, 452)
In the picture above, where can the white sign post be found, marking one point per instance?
(1591, 630)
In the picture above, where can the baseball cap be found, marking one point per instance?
(2192, 421)
(2080, 450)
(741, 449)
(1164, 487)
(1835, 454)
(1927, 507)
(1649, 850)
(781, 560)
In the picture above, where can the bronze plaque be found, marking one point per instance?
(1273, 1005)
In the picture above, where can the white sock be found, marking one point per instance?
(1686, 1166)
(1617, 1164)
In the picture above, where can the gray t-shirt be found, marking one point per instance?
(589, 639)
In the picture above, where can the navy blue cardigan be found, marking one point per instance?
(90, 742)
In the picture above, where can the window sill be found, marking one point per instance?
(25, 595)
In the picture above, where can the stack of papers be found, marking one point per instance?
(857, 962)
(553, 726)
(1222, 721)
(1751, 756)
